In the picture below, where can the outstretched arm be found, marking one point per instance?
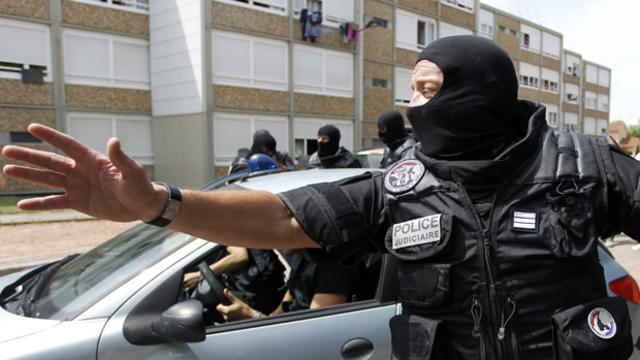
(115, 187)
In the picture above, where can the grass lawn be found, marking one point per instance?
(8, 204)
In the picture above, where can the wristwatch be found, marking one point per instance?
(171, 207)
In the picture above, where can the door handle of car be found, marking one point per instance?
(357, 348)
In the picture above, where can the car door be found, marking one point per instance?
(357, 330)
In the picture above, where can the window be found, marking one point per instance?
(234, 131)
(573, 65)
(590, 126)
(603, 127)
(591, 74)
(334, 12)
(373, 82)
(23, 45)
(603, 77)
(603, 102)
(322, 71)
(530, 38)
(550, 80)
(402, 86)
(452, 30)
(590, 100)
(466, 5)
(241, 60)
(130, 5)
(513, 32)
(414, 32)
(571, 93)
(529, 75)
(381, 22)
(486, 23)
(502, 28)
(12, 137)
(570, 121)
(305, 134)
(94, 130)
(272, 6)
(550, 45)
(105, 60)
(552, 115)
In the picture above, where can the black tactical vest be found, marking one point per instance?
(528, 285)
(260, 283)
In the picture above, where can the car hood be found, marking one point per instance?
(15, 326)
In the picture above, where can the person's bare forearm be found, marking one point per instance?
(252, 219)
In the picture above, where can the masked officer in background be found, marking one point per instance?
(392, 132)
(330, 154)
(493, 218)
(263, 143)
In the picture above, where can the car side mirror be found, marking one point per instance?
(182, 322)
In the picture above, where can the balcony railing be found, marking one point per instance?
(135, 5)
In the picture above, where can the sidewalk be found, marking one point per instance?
(45, 216)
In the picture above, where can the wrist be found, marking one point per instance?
(157, 203)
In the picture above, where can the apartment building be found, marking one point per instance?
(185, 83)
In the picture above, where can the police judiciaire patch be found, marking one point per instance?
(602, 323)
(403, 176)
(417, 231)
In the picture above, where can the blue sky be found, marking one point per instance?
(604, 32)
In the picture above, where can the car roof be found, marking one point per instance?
(284, 181)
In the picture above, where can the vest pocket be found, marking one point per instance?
(570, 223)
(415, 338)
(423, 285)
(600, 329)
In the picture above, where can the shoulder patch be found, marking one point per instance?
(601, 323)
(403, 176)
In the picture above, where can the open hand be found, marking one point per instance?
(112, 187)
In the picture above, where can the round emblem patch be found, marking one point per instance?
(403, 176)
(601, 323)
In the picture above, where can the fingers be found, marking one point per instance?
(230, 296)
(120, 159)
(44, 203)
(67, 144)
(44, 177)
(44, 159)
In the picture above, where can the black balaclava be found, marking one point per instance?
(394, 123)
(473, 115)
(262, 141)
(331, 147)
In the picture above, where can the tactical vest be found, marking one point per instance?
(260, 283)
(391, 156)
(526, 286)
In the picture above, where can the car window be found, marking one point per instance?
(292, 285)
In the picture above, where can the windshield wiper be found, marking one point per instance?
(21, 296)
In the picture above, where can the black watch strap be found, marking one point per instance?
(171, 207)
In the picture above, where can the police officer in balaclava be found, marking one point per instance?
(395, 137)
(263, 143)
(493, 218)
(330, 154)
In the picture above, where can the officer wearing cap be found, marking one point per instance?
(395, 137)
(493, 216)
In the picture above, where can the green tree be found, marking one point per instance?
(634, 131)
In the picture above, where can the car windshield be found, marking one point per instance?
(81, 282)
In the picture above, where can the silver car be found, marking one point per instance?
(122, 300)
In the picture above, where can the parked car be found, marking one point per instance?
(121, 300)
(370, 158)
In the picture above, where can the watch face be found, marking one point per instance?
(172, 209)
